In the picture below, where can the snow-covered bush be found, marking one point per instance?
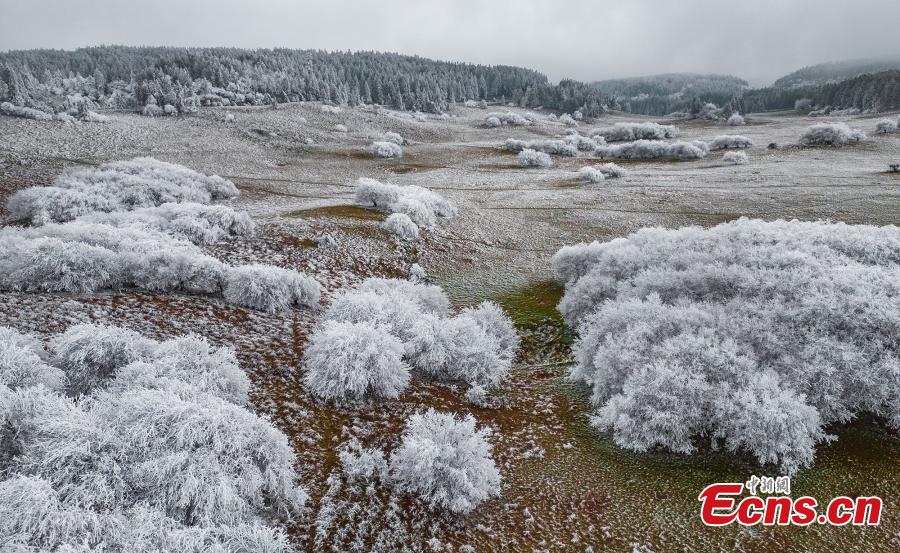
(158, 460)
(568, 120)
(354, 361)
(736, 158)
(340, 128)
(583, 143)
(198, 223)
(533, 158)
(506, 118)
(655, 149)
(445, 462)
(729, 142)
(393, 137)
(735, 120)
(598, 173)
(475, 347)
(417, 273)
(751, 335)
(269, 288)
(611, 170)
(554, 147)
(151, 110)
(386, 150)
(23, 364)
(401, 225)
(886, 126)
(628, 132)
(515, 145)
(835, 134)
(81, 257)
(6, 108)
(333, 110)
(492, 121)
(87, 257)
(420, 204)
(90, 354)
(590, 174)
(116, 186)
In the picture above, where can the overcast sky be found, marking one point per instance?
(759, 40)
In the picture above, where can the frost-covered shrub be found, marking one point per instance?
(269, 288)
(611, 170)
(475, 347)
(515, 145)
(654, 149)
(420, 204)
(885, 126)
(83, 257)
(198, 223)
(6, 108)
(506, 118)
(628, 132)
(492, 121)
(494, 322)
(729, 142)
(354, 361)
(87, 257)
(340, 128)
(554, 147)
(590, 174)
(835, 134)
(213, 370)
(386, 150)
(445, 462)
(568, 120)
(400, 306)
(416, 273)
(583, 143)
(533, 158)
(393, 137)
(735, 120)
(333, 110)
(23, 363)
(151, 110)
(401, 225)
(156, 461)
(117, 186)
(751, 335)
(471, 348)
(598, 173)
(736, 158)
(90, 354)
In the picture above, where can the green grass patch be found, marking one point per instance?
(341, 211)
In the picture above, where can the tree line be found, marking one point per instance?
(186, 78)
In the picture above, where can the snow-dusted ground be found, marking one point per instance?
(565, 487)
